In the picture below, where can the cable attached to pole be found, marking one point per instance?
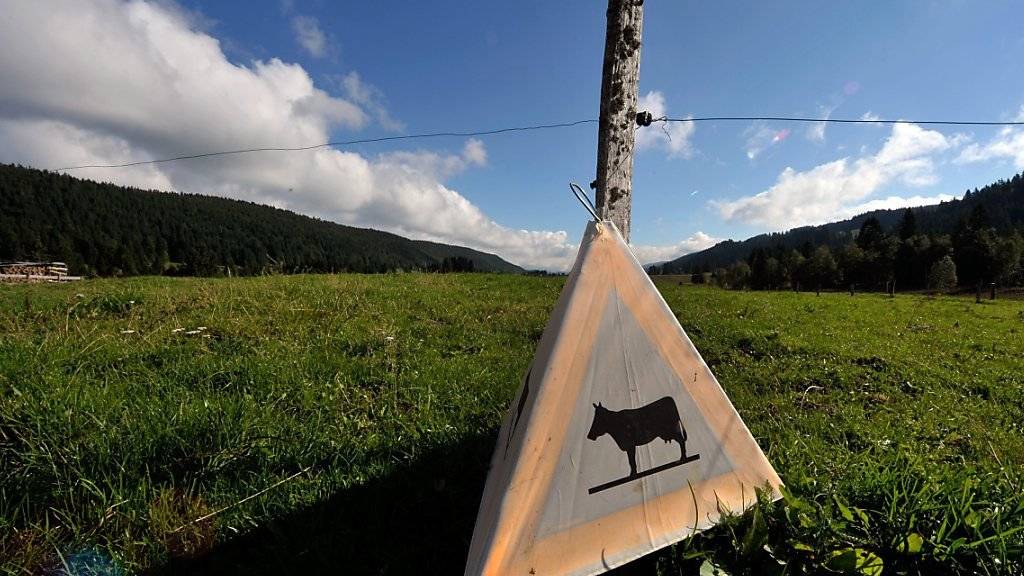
(642, 119)
(841, 120)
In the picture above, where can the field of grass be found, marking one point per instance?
(142, 419)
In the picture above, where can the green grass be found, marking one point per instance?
(896, 424)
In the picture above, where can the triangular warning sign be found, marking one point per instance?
(620, 442)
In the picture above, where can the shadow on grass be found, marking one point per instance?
(417, 520)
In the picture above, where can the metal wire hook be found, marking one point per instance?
(585, 200)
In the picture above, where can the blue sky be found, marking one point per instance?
(286, 73)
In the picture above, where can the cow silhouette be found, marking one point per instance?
(638, 426)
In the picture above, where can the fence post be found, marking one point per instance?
(616, 132)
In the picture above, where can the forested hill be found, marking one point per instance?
(105, 229)
(1003, 201)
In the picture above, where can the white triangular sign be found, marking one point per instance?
(620, 441)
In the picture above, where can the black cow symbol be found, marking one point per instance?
(638, 426)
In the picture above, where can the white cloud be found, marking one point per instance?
(370, 98)
(60, 142)
(1007, 144)
(871, 117)
(673, 137)
(438, 166)
(832, 190)
(160, 87)
(760, 137)
(894, 202)
(474, 152)
(816, 132)
(695, 243)
(309, 35)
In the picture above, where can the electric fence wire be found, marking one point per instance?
(534, 127)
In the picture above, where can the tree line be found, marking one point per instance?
(979, 248)
(102, 229)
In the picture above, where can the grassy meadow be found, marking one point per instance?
(343, 424)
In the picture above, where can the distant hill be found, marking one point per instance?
(1003, 201)
(105, 229)
(482, 261)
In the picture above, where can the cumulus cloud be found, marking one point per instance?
(673, 137)
(760, 137)
(1008, 144)
(54, 141)
(841, 187)
(695, 243)
(438, 166)
(161, 87)
(309, 35)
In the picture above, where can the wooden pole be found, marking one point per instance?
(616, 129)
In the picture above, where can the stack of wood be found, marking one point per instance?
(35, 272)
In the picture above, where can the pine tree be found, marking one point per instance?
(871, 234)
(908, 225)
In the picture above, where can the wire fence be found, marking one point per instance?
(535, 127)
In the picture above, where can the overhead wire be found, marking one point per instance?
(842, 120)
(496, 131)
(338, 143)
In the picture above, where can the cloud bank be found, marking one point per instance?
(73, 93)
(840, 188)
(699, 241)
(1008, 144)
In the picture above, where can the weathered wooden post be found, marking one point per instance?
(616, 128)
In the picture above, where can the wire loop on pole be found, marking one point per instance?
(585, 200)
